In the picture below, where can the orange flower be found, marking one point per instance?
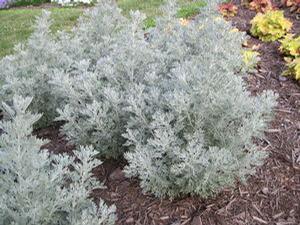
(293, 4)
(261, 5)
(228, 9)
(184, 22)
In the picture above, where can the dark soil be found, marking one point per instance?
(271, 196)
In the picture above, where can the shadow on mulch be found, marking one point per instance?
(271, 196)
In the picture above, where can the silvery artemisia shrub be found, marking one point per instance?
(41, 188)
(173, 98)
(191, 127)
(97, 88)
(28, 71)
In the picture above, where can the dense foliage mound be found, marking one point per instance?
(290, 46)
(293, 68)
(270, 26)
(39, 188)
(28, 72)
(173, 98)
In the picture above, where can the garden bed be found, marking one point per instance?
(271, 196)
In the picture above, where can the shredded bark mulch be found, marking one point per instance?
(271, 196)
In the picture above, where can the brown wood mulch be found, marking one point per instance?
(271, 196)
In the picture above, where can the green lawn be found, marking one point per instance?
(150, 7)
(16, 24)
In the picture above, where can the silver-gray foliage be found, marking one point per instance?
(41, 188)
(28, 71)
(175, 100)
(93, 109)
(192, 127)
(173, 97)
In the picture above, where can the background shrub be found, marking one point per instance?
(4, 4)
(27, 73)
(39, 188)
(28, 2)
(73, 2)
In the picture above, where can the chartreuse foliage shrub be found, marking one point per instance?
(293, 68)
(40, 188)
(250, 59)
(270, 26)
(173, 100)
(290, 46)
